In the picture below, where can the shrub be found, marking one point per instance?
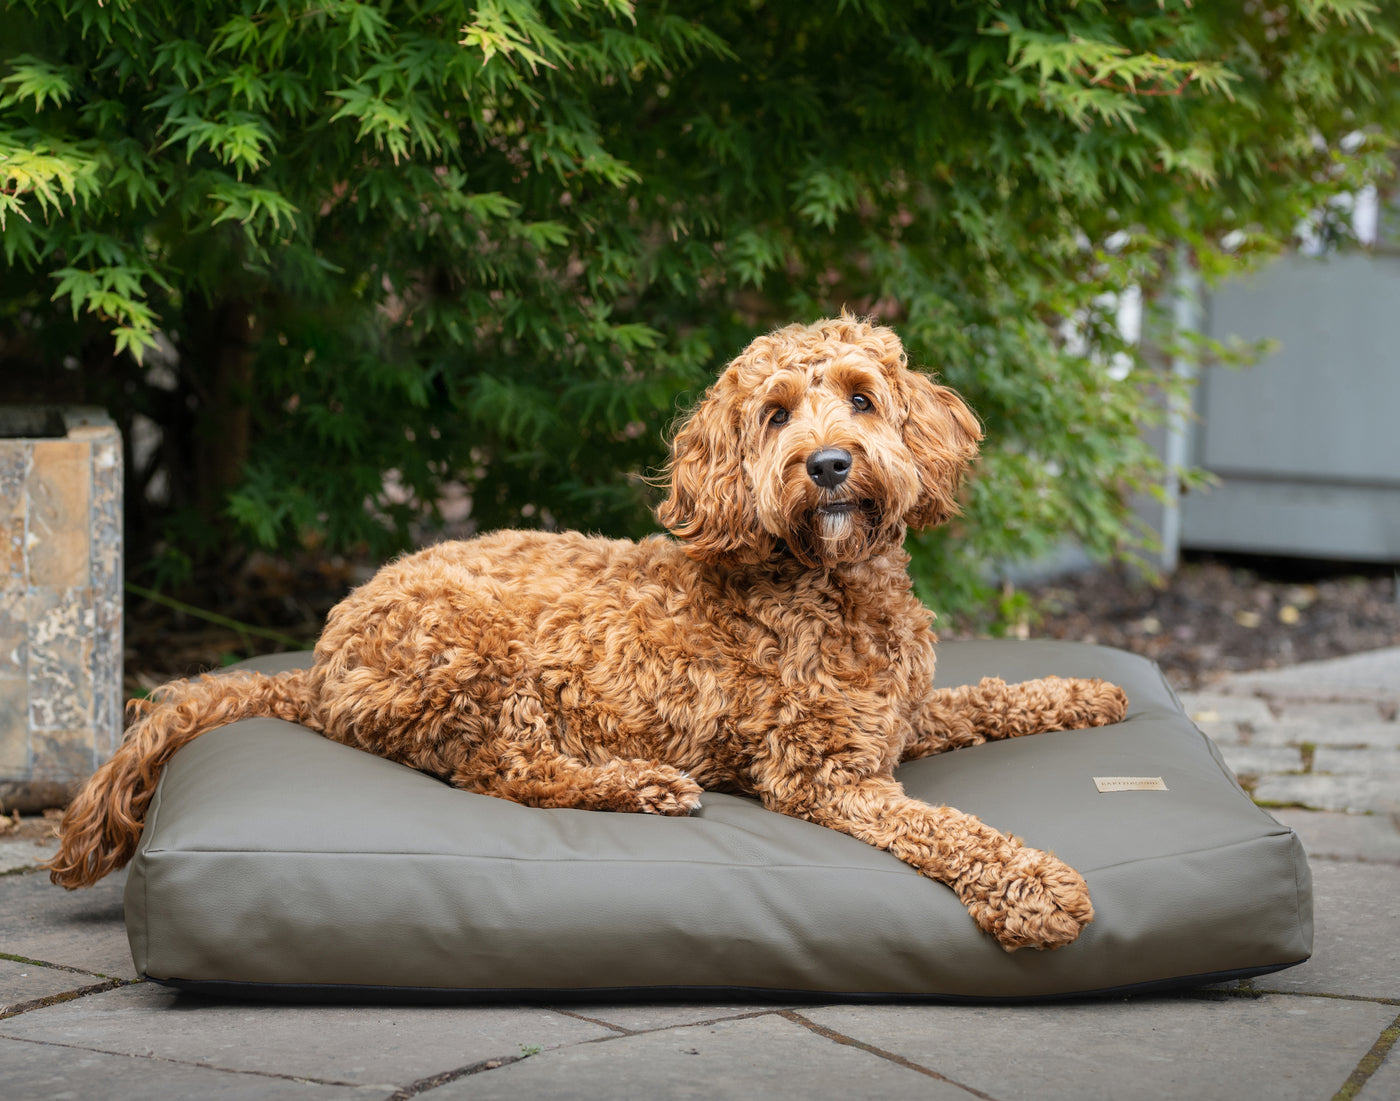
(319, 243)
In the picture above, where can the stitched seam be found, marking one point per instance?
(592, 862)
(672, 862)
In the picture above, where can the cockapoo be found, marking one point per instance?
(774, 647)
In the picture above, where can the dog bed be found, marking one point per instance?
(275, 863)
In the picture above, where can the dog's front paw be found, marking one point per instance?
(668, 791)
(1084, 702)
(1109, 704)
(1032, 901)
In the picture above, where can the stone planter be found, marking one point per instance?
(60, 600)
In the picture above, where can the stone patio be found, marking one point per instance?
(78, 1022)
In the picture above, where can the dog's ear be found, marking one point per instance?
(709, 506)
(942, 434)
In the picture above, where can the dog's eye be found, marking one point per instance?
(862, 403)
(778, 417)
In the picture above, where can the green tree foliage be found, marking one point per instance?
(317, 241)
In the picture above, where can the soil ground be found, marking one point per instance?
(1222, 615)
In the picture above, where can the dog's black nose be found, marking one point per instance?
(829, 467)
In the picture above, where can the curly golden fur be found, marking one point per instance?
(774, 647)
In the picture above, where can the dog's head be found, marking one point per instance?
(817, 441)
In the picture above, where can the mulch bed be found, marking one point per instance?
(1215, 615)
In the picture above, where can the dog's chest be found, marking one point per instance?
(682, 671)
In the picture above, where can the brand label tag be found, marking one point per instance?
(1129, 783)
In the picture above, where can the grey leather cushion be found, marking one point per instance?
(276, 858)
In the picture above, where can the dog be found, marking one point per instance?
(772, 645)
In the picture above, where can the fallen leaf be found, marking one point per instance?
(1301, 595)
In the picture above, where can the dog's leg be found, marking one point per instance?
(992, 709)
(1023, 897)
(539, 778)
(524, 766)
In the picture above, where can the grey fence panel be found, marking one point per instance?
(1307, 442)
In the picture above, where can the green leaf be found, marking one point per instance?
(31, 78)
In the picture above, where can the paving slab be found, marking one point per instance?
(1222, 709)
(646, 1018)
(767, 1056)
(1356, 713)
(1249, 760)
(1352, 794)
(24, 982)
(1321, 731)
(1372, 675)
(1371, 838)
(1356, 940)
(383, 1046)
(1380, 762)
(18, 855)
(83, 929)
(1205, 1049)
(1384, 1083)
(45, 1072)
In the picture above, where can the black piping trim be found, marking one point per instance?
(350, 993)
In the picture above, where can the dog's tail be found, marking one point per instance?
(102, 825)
